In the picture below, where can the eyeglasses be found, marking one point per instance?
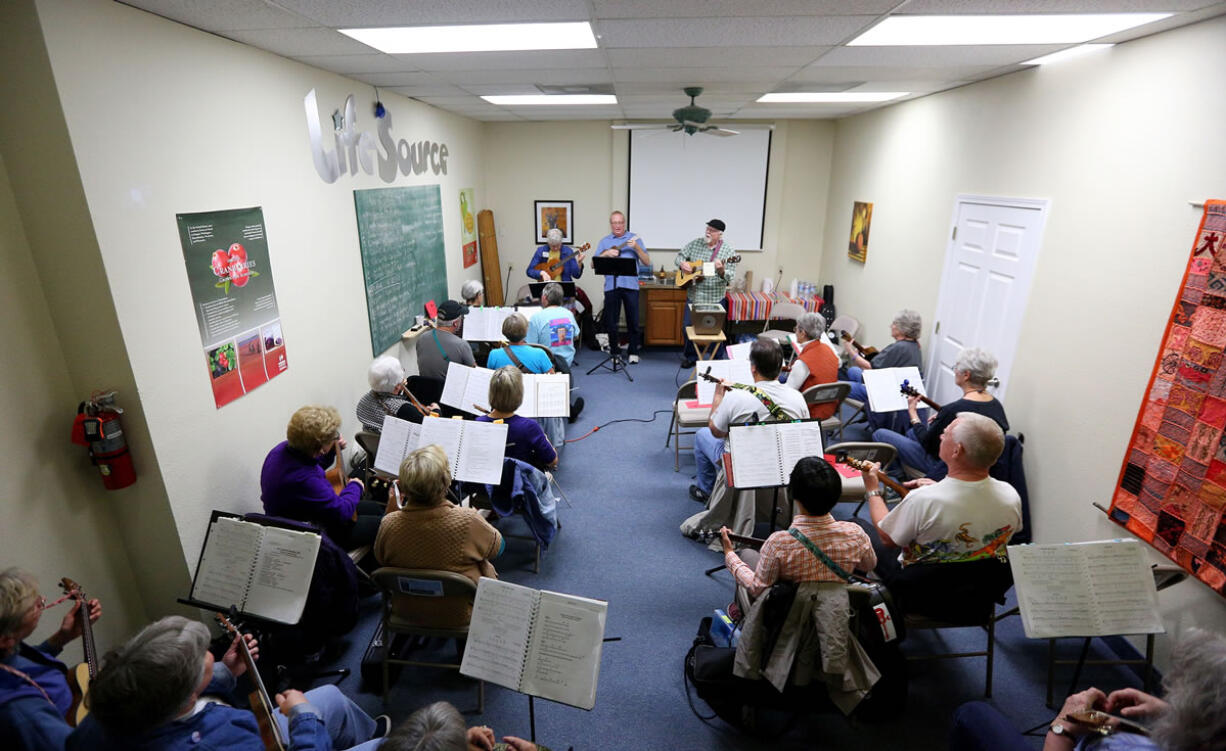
(42, 604)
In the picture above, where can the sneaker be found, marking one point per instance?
(696, 494)
(634, 359)
(575, 409)
(687, 363)
(383, 726)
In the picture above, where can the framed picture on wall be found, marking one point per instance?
(861, 219)
(555, 214)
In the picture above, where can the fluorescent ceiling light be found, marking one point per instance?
(510, 100)
(502, 37)
(972, 30)
(1068, 54)
(836, 97)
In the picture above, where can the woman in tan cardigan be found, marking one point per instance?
(431, 532)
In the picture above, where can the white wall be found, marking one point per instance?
(56, 517)
(165, 119)
(1119, 142)
(587, 162)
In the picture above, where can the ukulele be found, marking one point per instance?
(684, 280)
(706, 376)
(265, 710)
(553, 268)
(707, 535)
(1100, 722)
(865, 352)
(886, 480)
(80, 676)
(906, 389)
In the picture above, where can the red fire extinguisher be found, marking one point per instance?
(97, 426)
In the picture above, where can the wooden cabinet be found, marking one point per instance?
(663, 308)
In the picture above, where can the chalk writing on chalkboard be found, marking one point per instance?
(400, 232)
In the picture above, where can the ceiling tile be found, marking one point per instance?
(673, 88)
(361, 13)
(705, 76)
(408, 78)
(837, 74)
(719, 8)
(224, 15)
(701, 57)
(428, 89)
(551, 76)
(299, 42)
(787, 31)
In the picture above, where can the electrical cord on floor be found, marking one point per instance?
(624, 419)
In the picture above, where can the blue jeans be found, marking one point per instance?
(345, 721)
(978, 726)
(708, 453)
(910, 452)
(614, 300)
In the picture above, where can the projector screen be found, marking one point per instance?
(679, 182)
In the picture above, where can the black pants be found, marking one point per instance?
(360, 532)
(614, 299)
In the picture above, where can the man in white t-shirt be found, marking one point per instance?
(766, 399)
(965, 519)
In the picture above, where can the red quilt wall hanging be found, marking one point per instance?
(1172, 488)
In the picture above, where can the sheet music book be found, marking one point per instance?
(397, 439)
(1101, 588)
(263, 571)
(537, 642)
(545, 395)
(762, 456)
(738, 351)
(736, 371)
(485, 324)
(466, 386)
(882, 385)
(475, 449)
(527, 311)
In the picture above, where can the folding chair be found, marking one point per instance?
(869, 451)
(825, 393)
(685, 420)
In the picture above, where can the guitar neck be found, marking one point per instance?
(929, 402)
(885, 479)
(87, 639)
(262, 707)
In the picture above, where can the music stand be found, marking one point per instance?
(536, 289)
(615, 267)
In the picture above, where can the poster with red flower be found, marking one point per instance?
(230, 278)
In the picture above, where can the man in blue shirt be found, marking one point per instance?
(553, 252)
(622, 291)
(554, 326)
(34, 692)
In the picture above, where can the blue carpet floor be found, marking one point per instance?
(620, 542)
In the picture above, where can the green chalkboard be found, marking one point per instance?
(400, 231)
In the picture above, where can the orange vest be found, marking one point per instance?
(823, 367)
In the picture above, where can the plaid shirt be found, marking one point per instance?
(785, 557)
(707, 290)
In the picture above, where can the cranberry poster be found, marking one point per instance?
(226, 253)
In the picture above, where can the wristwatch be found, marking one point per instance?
(1058, 729)
(876, 492)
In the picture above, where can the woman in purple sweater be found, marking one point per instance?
(293, 483)
(525, 439)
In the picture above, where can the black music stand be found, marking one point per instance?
(536, 289)
(614, 267)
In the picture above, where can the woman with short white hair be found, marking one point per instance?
(388, 395)
(903, 352)
(920, 446)
(473, 293)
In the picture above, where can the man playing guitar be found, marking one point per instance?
(622, 291)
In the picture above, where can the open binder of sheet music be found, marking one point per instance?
(537, 642)
(545, 394)
(474, 449)
(1102, 588)
(763, 456)
(485, 324)
(735, 371)
(882, 386)
(263, 571)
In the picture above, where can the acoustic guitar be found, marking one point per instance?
(80, 676)
(885, 479)
(265, 709)
(554, 268)
(867, 353)
(684, 280)
(906, 389)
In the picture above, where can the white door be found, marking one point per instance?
(989, 264)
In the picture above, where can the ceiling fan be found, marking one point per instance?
(690, 119)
